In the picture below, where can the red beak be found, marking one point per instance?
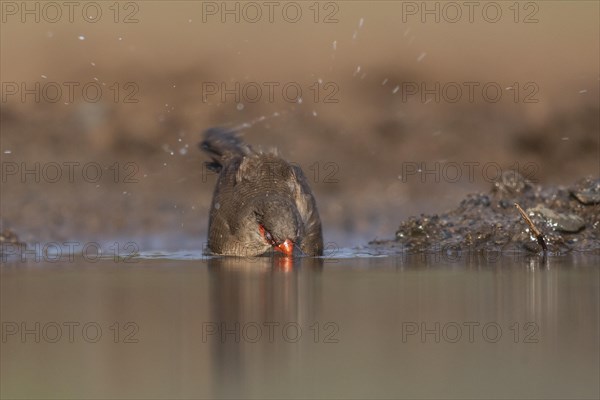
(286, 247)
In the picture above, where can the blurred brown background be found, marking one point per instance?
(355, 151)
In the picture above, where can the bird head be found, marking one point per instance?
(278, 224)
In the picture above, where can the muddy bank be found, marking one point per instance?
(568, 218)
(8, 240)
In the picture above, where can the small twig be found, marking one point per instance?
(538, 234)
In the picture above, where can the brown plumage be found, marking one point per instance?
(261, 202)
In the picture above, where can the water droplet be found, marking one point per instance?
(217, 206)
(81, 37)
(7, 151)
(240, 106)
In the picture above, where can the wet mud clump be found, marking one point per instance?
(8, 239)
(567, 217)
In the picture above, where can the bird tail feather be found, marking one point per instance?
(222, 145)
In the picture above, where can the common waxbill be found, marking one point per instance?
(261, 202)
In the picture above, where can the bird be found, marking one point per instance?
(261, 204)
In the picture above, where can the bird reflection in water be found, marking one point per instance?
(283, 264)
(251, 300)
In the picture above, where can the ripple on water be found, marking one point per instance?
(199, 255)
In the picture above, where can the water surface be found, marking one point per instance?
(180, 325)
